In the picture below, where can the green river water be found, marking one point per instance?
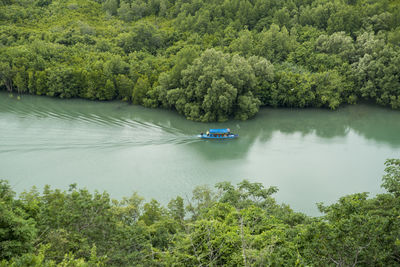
(311, 155)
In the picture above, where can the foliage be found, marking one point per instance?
(209, 60)
(238, 225)
(214, 87)
(17, 230)
(391, 180)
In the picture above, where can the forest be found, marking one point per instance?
(208, 60)
(229, 225)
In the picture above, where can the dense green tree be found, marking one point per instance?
(6, 75)
(234, 225)
(274, 44)
(177, 209)
(355, 232)
(125, 12)
(141, 37)
(17, 230)
(244, 44)
(338, 44)
(64, 82)
(391, 180)
(346, 18)
(108, 91)
(39, 260)
(111, 6)
(378, 76)
(216, 87)
(140, 89)
(104, 49)
(264, 72)
(124, 86)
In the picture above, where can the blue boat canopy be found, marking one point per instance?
(219, 131)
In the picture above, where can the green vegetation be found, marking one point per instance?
(232, 226)
(209, 60)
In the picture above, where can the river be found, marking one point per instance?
(311, 155)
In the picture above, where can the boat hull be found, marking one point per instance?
(231, 136)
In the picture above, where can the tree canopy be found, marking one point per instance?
(209, 60)
(231, 225)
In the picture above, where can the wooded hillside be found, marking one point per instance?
(209, 60)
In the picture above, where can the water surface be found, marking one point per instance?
(311, 155)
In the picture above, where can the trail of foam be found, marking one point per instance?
(100, 144)
(80, 129)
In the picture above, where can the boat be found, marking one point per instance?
(218, 134)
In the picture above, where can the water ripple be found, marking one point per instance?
(57, 125)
